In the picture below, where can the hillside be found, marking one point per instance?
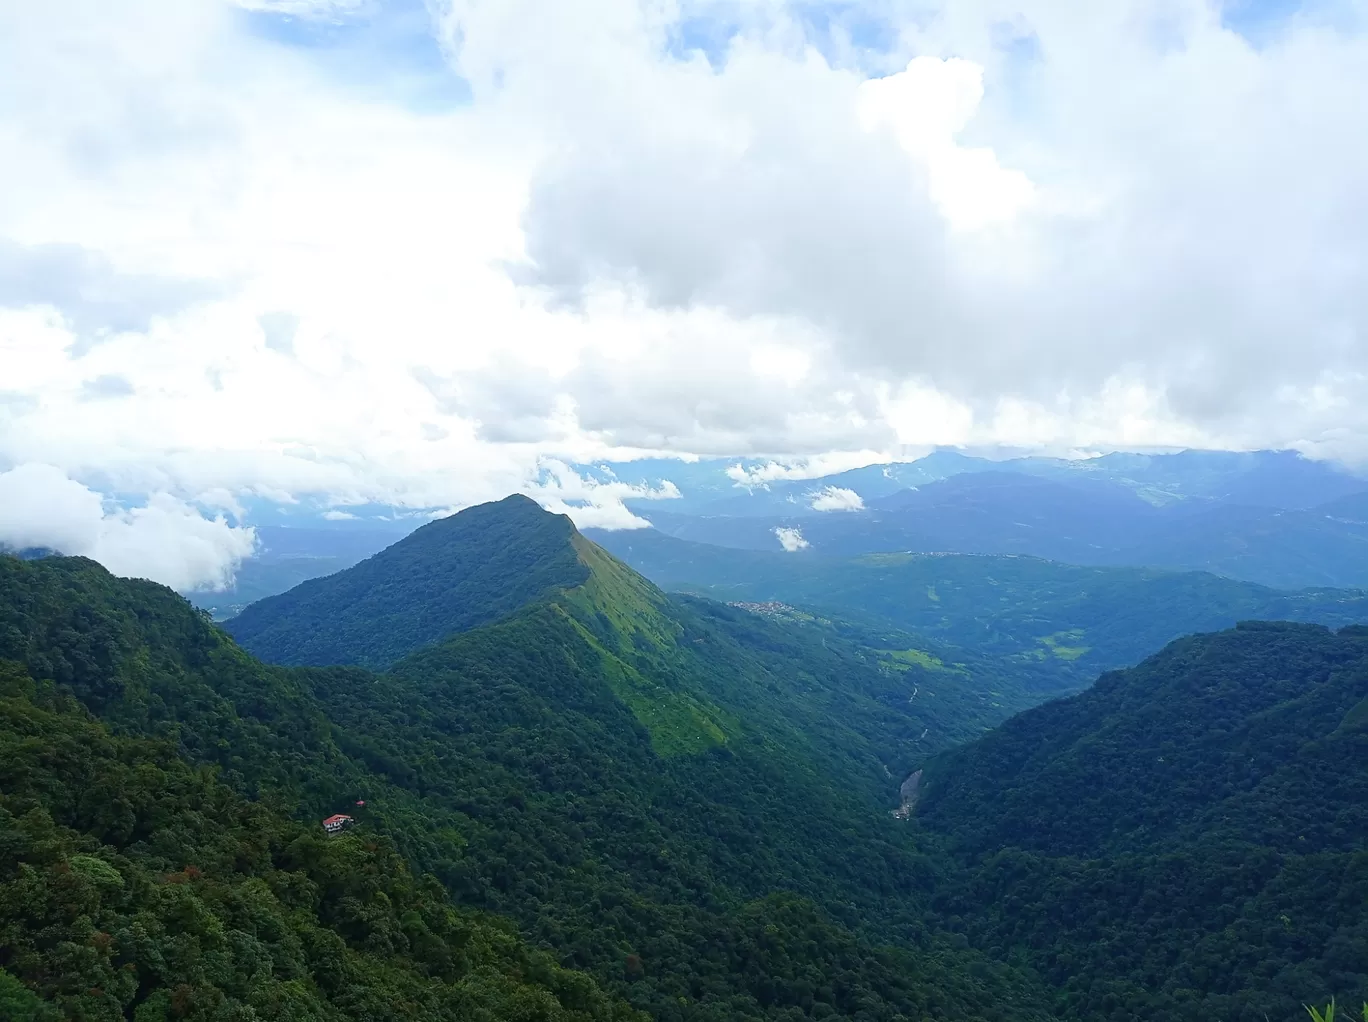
(136, 885)
(1076, 620)
(687, 801)
(1187, 837)
(448, 576)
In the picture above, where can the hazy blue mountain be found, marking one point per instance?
(1090, 528)
(979, 512)
(1277, 479)
(1078, 520)
(1285, 548)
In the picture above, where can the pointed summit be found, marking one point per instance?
(451, 575)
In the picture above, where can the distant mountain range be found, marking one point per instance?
(1077, 521)
(1266, 516)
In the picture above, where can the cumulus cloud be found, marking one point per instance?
(593, 503)
(790, 539)
(836, 498)
(761, 475)
(1001, 224)
(926, 106)
(90, 292)
(167, 541)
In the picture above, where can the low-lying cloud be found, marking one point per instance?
(791, 539)
(836, 498)
(167, 541)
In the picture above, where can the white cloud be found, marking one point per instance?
(1018, 224)
(836, 498)
(611, 515)
(591, 503)
(926, 107)
(814, 467)
(335, 515)
(167, 541)
(790, 539)
(322, 10)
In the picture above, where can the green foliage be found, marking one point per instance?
(1188, 838)
(685, 806)
(506, 763)
(1328, 1015)
(134, 885)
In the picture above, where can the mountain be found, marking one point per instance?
(688, 802)
(978, 512)
(445, 577)
(288, 555)
(1325, 545)
(711, 498)
(1078, 620)
(135, 883)
(1271, 479)
(1078, 520)
(686, 807)
(1187, 838)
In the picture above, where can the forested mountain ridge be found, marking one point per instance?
(1188, 839)
(560, 768)
(450, 575)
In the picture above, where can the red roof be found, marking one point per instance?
(339, 818)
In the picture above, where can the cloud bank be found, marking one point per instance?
(836, 498)
(167, 541)
(413, 254)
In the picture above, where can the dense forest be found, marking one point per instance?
(136, 885)
(604, 799)
(652, 790)
(1187, 839)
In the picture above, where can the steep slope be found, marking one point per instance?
(1077, 620)
(688, 801)
(1188, 837)
(288, 555)
(135, 885)
(448, 576)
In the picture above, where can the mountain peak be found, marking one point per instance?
(448, 576)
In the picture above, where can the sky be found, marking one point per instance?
(426, 254)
